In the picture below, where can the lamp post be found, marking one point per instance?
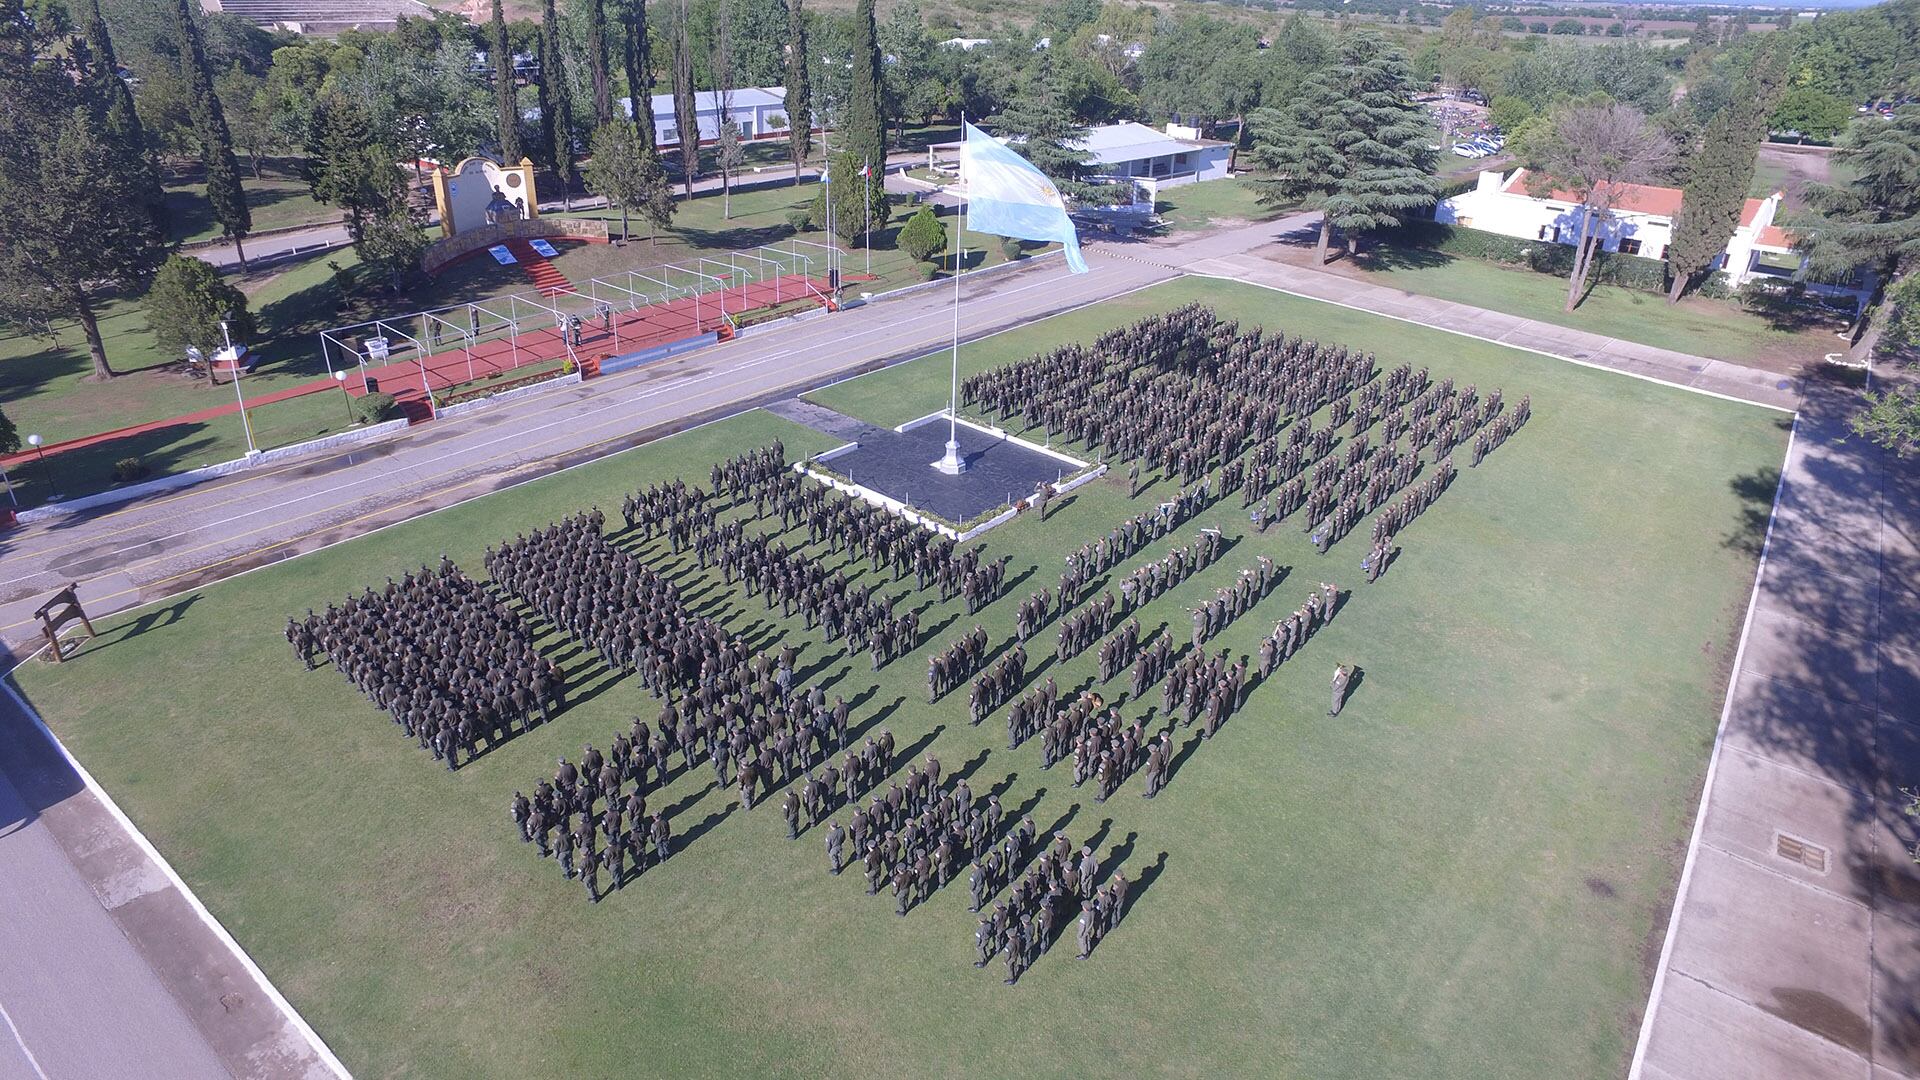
(233, 363)
(46, 471)
(340, 379)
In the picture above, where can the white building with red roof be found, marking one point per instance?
(1640, 222)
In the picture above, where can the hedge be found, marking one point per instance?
(1541, 256)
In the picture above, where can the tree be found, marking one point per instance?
(1353, 144)
(728, 153)
(1569, 27)
(852, 194)
(1038, 126)
(616, 171)
(186, 304)
(110, 93)
(1891, 421)
(655, 201)
(637, 53)
(556, 105)
(76, 230)
(507, 108)
(1718, 173)
(1871, 222)
(1595, 152)
(1202, 70)
(799, 93)
(865, 126)
(686, 114)
(597, 61)
(9, 435)
(224, 191)
(1814, 113)
(923, 236)
(253, 131)
(391, 245)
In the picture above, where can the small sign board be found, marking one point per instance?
(544, 248)
(501, 255)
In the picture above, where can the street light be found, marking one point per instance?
(45, 470)
(233, 365)
(340, 378)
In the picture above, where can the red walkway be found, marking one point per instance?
(631, 331)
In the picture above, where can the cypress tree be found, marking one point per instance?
(865, 125)
(597, 61)
(229, 199)
(1719, 171)
(556, 104)
(686, 116)
(639, 64)
(799, 93)
(505, 97)
(121, 118)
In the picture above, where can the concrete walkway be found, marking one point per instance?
(1794, 950)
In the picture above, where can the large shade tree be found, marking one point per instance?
(77, 228)
(1871, 222)
(1595, 152)
(1352, 144)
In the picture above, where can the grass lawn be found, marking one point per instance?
(1191, 207)
(1714, 328)
(1462, 876)
(275, 202)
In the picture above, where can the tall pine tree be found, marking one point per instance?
(799, 93)
(597, 61)
(1352, 144)
(686, 116)
(504, 92)
(67, 185)
(556, 105)
(1719, 171)
(638, 57)
(229, 199)
(111, 94)
(865, 126)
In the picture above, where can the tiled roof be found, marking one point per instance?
(1632, 198)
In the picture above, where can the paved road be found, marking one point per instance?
(1795, 946)
(157, 547)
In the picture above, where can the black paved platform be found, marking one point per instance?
(900, 466)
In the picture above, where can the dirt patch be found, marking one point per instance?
(1798, 166)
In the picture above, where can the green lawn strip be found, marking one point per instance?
(273, 202)
(1192, 207)
(1456, 878)
(1712, 328)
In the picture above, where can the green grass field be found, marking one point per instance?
(1192, 207)
(276, 201)
(1462, 876)
(1714, 328)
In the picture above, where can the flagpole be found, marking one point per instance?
(953, 464)
(866, 198)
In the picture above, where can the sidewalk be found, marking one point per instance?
(1794, 949)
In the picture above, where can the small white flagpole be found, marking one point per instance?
(866, 199)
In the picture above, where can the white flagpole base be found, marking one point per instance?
(953, 464)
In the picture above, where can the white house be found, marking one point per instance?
(1640, 223)
(759, 111)
(1129, 151)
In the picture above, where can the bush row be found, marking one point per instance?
(1541, 256)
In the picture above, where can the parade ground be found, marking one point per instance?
(1466, 873)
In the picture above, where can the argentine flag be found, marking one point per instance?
(1007, 196)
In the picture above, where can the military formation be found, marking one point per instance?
(449, 661)
(1061, 883)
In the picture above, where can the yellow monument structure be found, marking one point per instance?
(480, 191)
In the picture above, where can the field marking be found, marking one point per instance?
(1713, 768)
(314, 1041)
(22, 1040)
(1494, 341)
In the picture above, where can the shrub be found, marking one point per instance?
(923, 236)
(1541, 256)
(373, 408)
(1010, 248)
(928, 271)
(800, 220)
(129, 469)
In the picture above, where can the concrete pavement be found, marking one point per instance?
(1794, 948)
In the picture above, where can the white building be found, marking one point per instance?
(759, 111)
(1129, 151)
(1640, 223)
